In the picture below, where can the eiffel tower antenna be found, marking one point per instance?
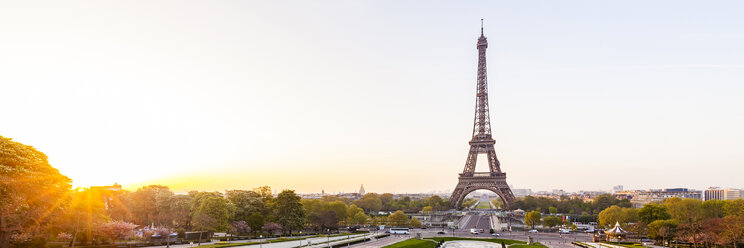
(481, 26)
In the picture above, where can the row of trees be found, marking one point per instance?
(37, 201)
(686, 220)
(566, 205)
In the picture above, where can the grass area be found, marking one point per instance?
(636, 245)
(225, 244)
(534, 245)
(506, 241)
(483, 205)
(413, 243)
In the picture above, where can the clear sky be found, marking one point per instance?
(312, 95)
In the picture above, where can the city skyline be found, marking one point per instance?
(584, 95)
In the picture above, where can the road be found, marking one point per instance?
(477, 222)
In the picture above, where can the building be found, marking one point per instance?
(617, 188)
(713, 193)
(638, 198)
(732, 194)
(361, 190)
(521, 192)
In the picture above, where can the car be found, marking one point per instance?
(532, 231)
(564, 231)
(496, 234)
(441, 232)
(474, 231)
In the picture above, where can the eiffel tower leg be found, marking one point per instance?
(471, 161)
(493, 161)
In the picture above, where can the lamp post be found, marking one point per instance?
(328, 237)
(300, 238)
(260, 242)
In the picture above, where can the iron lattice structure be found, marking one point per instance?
(482, 142)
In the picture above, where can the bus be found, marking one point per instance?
(400, 231)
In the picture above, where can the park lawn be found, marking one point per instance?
(506, 241)
(527, 246)
(218, 245)
(625, 245)
(483, 205)
(413, 243)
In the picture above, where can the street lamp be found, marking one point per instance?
(300, 238)
(328, 235)
(260, 242)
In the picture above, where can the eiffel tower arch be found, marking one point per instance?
(481, 143)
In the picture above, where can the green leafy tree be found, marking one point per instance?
(255, 221)
(415, 223)
(553, 210)
(613, 214)
(689, 214)
(714, 208)
(213, 215)
(146, 208)
(369, 202)
(246, 203)
(533, 218)
(662, 230)
(552, 221)
(359, 219)
(398, 219)
(652, 212)
(734, 207)
(427, 210)
(387, 201)
(32, 192)
(289, 212)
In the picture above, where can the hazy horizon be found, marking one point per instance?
(312, 96)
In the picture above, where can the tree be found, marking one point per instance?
(117, 230)
(86, 212)
(212, 215)
(289, 212)
(415, 223)
(552, 210)
(552, 221)
(689, 215)
(255, 221)
(146, 208)
(652, 212)
(427, 210)
(359, 218)
(714, 208)
(271, 227)
(730, 229)
(613, 214)
(662, 229)
(369, 202)
(31, 190)
(735, 207)
(387, 201)
(246, 203)
(353, 211)
(239, 227)
(532, 219)
(398, 219)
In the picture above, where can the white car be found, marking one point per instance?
(564, 231)
(532, 231)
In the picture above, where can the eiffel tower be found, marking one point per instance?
(482, 142)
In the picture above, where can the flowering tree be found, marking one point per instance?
(116, 230)
(271, 227)
(239, 227)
